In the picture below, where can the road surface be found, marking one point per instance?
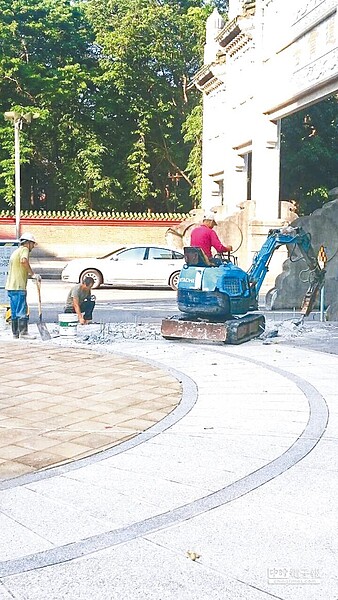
(127, 305)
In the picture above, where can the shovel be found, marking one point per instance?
(42, 327)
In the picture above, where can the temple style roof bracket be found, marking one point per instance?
(236, 34)
(207, 78)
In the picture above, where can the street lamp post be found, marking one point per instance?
(18, 120)
(17, 125)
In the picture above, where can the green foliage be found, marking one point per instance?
(149, 51)
(47, 64)
(309, 155)
(192, 132)
(7, 190)
(109, 79)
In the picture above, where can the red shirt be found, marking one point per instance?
(206, 238)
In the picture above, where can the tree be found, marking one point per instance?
(109, 79)
(149, 51)
(47, 63)
(192, 132)
(309, 155)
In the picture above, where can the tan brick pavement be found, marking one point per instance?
(61, 404)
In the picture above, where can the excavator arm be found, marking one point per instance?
(289, 236)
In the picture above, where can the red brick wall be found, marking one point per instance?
(73, 237)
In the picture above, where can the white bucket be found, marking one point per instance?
(68, 324)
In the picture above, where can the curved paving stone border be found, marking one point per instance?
(318, 417)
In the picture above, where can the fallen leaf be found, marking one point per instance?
(193, 555)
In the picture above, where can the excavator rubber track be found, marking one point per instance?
(233, 331)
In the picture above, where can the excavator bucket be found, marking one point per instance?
(234, 331)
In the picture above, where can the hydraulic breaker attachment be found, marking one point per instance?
(234, 331)
(312, 293)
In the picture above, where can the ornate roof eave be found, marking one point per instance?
(208, 78)
(236, 34)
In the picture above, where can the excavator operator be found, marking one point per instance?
(205, 237)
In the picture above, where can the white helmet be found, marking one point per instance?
(27, 237)
(210, 216)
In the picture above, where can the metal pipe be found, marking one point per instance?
(322, 296)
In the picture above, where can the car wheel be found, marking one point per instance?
(173, 280)
(96, 275)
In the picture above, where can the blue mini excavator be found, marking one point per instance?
(216, 299)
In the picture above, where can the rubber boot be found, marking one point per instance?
(23, 330)
(15, 328)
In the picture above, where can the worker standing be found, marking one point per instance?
(16, 285)
(80, 300)
(205, 237)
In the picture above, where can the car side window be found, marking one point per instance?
(132, 254)
(177, 255)
(160, 253)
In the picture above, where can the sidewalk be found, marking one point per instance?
(231, 496)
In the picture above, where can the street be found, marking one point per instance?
(112, 304)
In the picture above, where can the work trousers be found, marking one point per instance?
(18, 304)
(86, 307)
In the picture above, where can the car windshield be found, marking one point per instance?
(112, 253)
(132, 254)
(162, 253)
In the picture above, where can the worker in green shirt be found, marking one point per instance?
(16, 284)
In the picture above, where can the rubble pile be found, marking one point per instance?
(108, 333)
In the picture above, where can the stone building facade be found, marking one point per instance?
(271, 59)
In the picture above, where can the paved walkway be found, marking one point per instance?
(60, 404)
(232, 495)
